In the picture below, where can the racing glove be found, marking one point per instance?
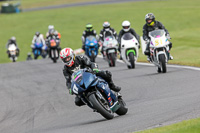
(146, 41)
(70, 91)
(95, 70)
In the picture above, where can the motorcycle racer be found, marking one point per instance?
(73, 63)
(38, 38)
(152, 24)
(89, 31)
(126, 28)
(11, 41)
(106, 31)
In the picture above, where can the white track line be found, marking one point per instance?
(77, 51)
(174, 66)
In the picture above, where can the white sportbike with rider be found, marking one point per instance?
(159, 49)
(129, 49)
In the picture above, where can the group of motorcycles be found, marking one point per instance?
(159, 47)
(94, 91)
(52, 49)
(129, 49)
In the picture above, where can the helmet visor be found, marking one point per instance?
(149, 20)
(67, 59)
(89, 28)
(125, 27)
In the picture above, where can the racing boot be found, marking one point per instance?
(147, 51)
(114, 87)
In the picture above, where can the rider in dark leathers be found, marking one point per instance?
(106, 31)
(73, 63)
(88, 32)
(152, 24)
(51, 36)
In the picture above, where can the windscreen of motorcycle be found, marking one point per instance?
(88, 79)
(128, 36)
(77, 76)
(157, 33)
(52, 43)
(91, 41)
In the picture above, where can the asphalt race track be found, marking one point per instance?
(34, 99)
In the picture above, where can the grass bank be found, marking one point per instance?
(189, 126)
(180, 17)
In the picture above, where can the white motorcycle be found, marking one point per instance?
(129, 49)
(110, 50)
(159, 47)
(12, 52)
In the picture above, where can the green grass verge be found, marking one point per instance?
(189, 126)
(180, 17)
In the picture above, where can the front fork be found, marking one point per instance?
(109, 94)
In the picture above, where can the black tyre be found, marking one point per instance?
(162, 63)
(13, 59)
(36, 54)
(100, 107)
(159, 70)
(131, 59)
(122, 110)
(35, 57)
(112, 59)
(92, 58)
(54, 58)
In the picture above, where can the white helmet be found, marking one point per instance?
(51, 27)
(126, 25)
(67, 55)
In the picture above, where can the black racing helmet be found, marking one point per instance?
(150, 16)
(37, 33)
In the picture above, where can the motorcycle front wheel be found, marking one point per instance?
(100, 107)
(92, 58)
(162, 63)
(112, 58)
(131, 59)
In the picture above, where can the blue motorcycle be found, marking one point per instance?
(95, 92)
(91, 47)
(37, 51)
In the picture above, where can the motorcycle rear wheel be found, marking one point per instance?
(122, 110)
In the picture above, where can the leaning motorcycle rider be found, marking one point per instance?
(73, 63)
(152, 24)
(12, 40)
(88, 32)
(106, 31)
